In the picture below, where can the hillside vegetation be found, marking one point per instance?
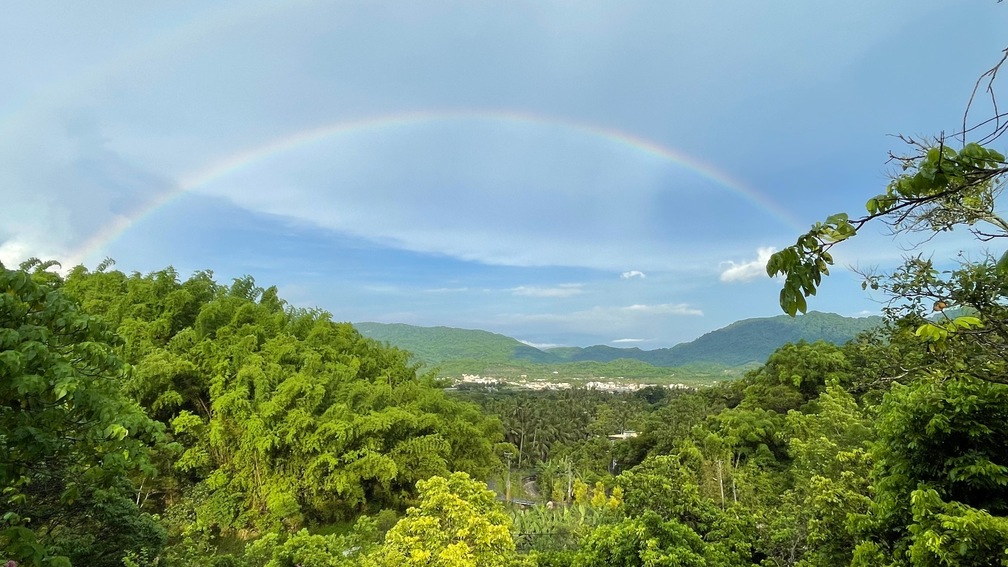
(749, 341)
(217, 408)
(147, 420)
(433, 345)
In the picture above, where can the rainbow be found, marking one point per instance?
(229, 164)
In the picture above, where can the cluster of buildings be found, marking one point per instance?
(523, 381)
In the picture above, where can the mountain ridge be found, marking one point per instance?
(741, 342)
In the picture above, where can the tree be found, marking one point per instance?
(941, 478)
(941, 187)
(939, 483)
(667, 486)
(316, 550)
(69, 439)
(456, 523)
(282, 415)
(830, 484)
(643, 540)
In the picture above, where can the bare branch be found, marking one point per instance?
(990, 75)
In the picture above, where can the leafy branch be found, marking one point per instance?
(940, 189)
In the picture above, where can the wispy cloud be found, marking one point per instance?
(541, 346)
(622, 341)
(562, 290)
(664, 309)
(632, 274)
(63, 183)
(747, 271)
(610, 316)
(13, 252)
(447, 290)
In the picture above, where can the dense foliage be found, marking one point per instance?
(69, 438)
(219, 408)
(149, 419)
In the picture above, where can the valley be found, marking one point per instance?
(470, 358)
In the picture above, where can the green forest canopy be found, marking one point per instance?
(219, 406)
(146, 419)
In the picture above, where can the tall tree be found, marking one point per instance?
(456, 523)
(69, 438)
(941, 469)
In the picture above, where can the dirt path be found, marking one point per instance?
(530, 488)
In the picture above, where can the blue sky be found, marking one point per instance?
(563, 173)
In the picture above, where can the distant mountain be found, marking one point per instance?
(745, 341)
(742, 342)
(432, 345)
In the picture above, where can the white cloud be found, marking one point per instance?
(621, 341)
(63, 186)
(625, 318)
(447, 290)
(664, 309)
(633, 274)
(13, 252)
(562, 290)
(747, 270)
(541, 346)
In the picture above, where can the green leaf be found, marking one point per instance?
(967, 322)
(116, 431)
(1002, 264)
(800, 304)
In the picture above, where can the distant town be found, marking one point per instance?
(617, 384)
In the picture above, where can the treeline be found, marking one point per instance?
(575, 373)
(147, 420)
(436, 345)
(745, 342)
(884, 451)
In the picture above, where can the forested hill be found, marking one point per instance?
(748, 340)
(438, 344)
